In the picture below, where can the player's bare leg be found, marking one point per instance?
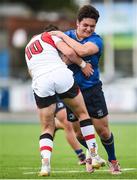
(77, 105)
(62, 122)
(46, 138)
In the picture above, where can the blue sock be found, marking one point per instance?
(80, 154)
(109, 146)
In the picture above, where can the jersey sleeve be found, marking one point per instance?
(70, 33)
(67, 32)
(98, 41)
(56, 39)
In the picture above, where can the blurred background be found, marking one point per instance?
(21, 19)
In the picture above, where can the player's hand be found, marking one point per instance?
(88, 70)
(56, 33)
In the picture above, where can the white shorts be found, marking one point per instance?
(57, 81)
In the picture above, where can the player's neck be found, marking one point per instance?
(78, 35)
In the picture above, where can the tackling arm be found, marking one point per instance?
(74, 58)
(69, 52)
(82, 50)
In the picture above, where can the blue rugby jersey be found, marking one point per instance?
(79, 77)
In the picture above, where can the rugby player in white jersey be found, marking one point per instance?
(52, 78)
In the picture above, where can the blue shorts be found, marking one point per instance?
(95, 103)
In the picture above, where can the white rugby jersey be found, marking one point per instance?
(42, 56)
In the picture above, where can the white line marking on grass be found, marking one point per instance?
(79, 171)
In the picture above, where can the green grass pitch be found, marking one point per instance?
(20, 159)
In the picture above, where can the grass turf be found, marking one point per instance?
(19, 154)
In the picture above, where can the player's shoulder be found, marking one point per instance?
(45, 36)
(70, 32)
(96, 36)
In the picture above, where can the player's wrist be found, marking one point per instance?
(82, 64)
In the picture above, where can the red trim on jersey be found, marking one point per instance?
(28, 53)
(46, 37)
(46, 148)
(89, 137)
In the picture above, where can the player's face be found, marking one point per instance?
(85, 27)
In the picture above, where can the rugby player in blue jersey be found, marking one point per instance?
(89, 45)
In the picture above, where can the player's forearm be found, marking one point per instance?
(77, 60)
(79, 48)
(70, 53)
(82, 50)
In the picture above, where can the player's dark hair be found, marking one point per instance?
(88, 11)
(50, 28)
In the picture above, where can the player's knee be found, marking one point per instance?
(104, 134)
(46, 117)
